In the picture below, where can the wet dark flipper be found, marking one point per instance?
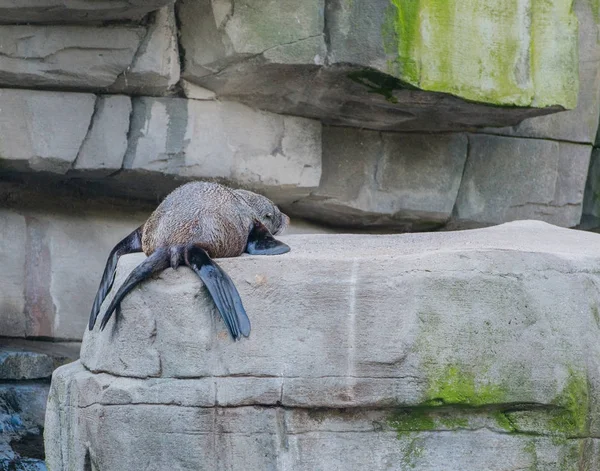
(130, 244)
(155, 263)
(221, 288)
(262, 242)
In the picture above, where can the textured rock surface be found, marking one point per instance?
(407, 181)
(357, 63)
(513, 178)
(155, 67)
(105, 144)
(580, 124)
(279, 155)
(24, 365)
(66, 56)
(46, 129)
(76, 11)
(384, 352)
(45, 291)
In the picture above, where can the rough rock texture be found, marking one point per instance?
(407, 181)
(591, 204)
(76, 11)
(45, 290)
(512, 178)
(18, 365)
(580, 124)
(358, 63)
(46, 129)
(66, 56)
(155, 67)
(382, 352)
(279, 155)
(105, 144)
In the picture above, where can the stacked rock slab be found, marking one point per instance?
(457, 350)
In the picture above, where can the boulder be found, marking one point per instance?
(46, 129)
(174, 137)
(76, 11)
(154, 69)
(454, 350)
(580, 124)
(509, 178)
(373, 179)
(67, 57)
(380, 65)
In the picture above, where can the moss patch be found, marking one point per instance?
(486, 51)
(574, 404)
(459, 387)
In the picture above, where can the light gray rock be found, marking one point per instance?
(76, 11)
(155, 67)
(509, 178)
(46, 129)
(407, 181)
(72, 57)
(196, 92)
(105, 144)
(328, 60)
(46, 293)
(580, 124)
(13, 233)
(25, 365)
(433, 351)
(278, 155)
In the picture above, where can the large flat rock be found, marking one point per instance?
(76, 11)
(458, 350)
(380, 65)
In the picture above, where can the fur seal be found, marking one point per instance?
(197, 222)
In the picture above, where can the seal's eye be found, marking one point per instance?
(268, 215)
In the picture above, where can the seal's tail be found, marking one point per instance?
(221, 288)
(130, 244)
(155, 263)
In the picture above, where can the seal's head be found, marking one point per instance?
(265, 211)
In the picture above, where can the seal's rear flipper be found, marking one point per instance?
(155, 263)
(221, 288)
(130, 244)
(262, 242)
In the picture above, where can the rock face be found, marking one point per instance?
(362, 62)
(371, 352)
(76, 11)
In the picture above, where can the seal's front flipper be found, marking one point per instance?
(262, 242)
(221, 288)
(130, 244)
(157, 262)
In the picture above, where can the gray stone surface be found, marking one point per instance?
(155, 67)
(509, 178)
(580, 124)
(327, 60)
(46, 129)
(45, 291)
(71, 57)
(591, 203)
(105, 144)
(17, 365)
(407, 181)
(76, 11)
(279, 155)
(433, 351)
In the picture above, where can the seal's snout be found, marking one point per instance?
(285, 222)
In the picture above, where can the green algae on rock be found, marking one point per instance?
(507, 52)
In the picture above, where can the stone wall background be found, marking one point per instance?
(103, 111)
(107, 106)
